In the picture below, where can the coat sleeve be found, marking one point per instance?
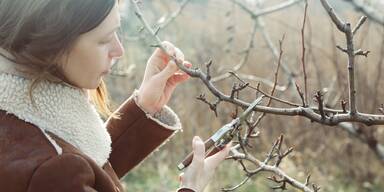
(63, 173)
(136, 134)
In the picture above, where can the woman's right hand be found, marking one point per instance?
(201, 169)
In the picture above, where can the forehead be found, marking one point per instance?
(111, 21)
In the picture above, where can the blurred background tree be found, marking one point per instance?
(221, 31)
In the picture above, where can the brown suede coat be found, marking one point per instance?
(28, 162)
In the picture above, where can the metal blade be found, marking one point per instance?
(245, 114)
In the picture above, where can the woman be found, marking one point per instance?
(54, 55)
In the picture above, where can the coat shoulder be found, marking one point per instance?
(66, 172)
(29, 162)
(23, 148)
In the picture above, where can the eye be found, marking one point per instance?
(110, 38)
(106, 41)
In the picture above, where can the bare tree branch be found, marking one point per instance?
(174, 15)
(303, 55)
(359, 24)
(268, 10)
(380, 64)
(372, 14)
(243, 61)
(335, 18)
(251, 130)
(320, 114)
(267, 82)
(264, 166)
(373, 143)
(368, 119)
(261, 24)
(346, 29)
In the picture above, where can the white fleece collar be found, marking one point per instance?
(61, 109)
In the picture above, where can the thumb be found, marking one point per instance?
(198, 153)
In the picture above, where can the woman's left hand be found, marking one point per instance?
(161, 77)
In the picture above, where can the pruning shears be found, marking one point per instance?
(222, 136)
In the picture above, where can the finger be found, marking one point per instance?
(214, 160)
(187, 64)
(168, 71)
(168, 90)
(178, 78)
(198, 154)
(179, 55)
(181, 177)
(173, 82)
(159, 57)
(170, 50)
(164, 56)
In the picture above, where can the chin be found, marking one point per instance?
(92, 85)
(100, 81)
(96, 85)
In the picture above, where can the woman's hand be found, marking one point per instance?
(160, 79)
(201, 170)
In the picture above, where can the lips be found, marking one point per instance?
(109, 69)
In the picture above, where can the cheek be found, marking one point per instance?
(95, 60)
(103, 55)
(84, 68)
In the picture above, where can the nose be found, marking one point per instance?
(117, 49)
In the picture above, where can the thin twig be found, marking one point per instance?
(303, 54)
(263, 166)
(359, 24)
(174, 15)
(268, 10)
(243, 61)
(346, 29)
(273, 88)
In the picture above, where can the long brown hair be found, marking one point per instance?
(38, 32)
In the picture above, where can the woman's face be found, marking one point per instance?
(94, 53)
